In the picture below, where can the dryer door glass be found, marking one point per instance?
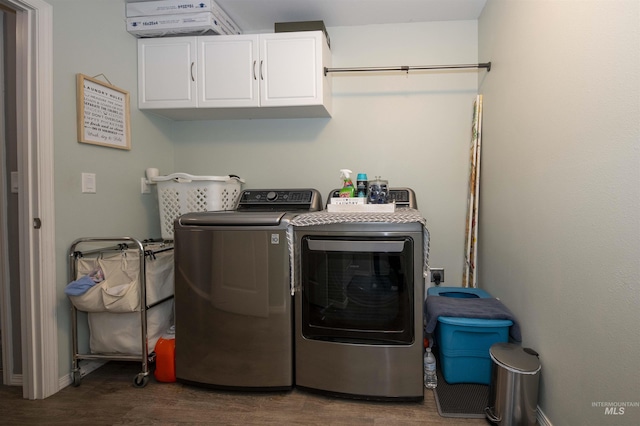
(357, 290)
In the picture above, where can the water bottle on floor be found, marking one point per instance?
(430, 377)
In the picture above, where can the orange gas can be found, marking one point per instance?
(166, 357)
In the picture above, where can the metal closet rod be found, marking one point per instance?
(407, 68)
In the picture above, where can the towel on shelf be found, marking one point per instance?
(482, 308)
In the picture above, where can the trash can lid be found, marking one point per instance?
(515, 358)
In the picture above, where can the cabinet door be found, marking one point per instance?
(166, 72)
(291, 69)
(229, 71)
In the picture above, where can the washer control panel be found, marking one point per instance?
(280, 199)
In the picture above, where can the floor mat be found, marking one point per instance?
(466, 400)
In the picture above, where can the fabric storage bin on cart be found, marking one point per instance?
(120, 290)
(181, 193)
(114, 304)
(120, 333)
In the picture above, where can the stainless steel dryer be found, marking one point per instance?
(232, 292)
(358, 302)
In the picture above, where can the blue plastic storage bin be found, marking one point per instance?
(464, 347)
(464, 342)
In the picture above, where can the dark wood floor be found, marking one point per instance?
(107, 397)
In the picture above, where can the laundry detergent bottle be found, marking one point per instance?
(166, 357)
(348, 190)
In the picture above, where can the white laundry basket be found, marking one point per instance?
(181, 193)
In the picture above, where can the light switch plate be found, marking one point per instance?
(88, 183)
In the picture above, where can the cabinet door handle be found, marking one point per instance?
(261, 76)
(254, 70)
(192, 78)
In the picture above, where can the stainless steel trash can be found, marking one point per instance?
(513, 393)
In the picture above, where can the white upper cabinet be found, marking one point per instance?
(228, 66)
(166, 72)
(291, 69)
(279, 75)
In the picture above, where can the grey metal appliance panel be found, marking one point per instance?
(233, 307)
(231, 218)
(375, 371)
(364, 371)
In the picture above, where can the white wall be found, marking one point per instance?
(89, 37)
(413, 130)
(559, 238)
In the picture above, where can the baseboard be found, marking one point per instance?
(86, 367)
(15, 380)
(543, 420)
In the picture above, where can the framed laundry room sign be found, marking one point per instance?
(103, 113)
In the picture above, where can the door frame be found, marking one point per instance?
(8, 378)
(34, 110)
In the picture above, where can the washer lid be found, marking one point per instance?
(231, 218)
(515, 358)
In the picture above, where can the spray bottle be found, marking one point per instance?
(348, 190)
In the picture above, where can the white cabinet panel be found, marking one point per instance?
(293, 69)
(229, 70)
(166, 73)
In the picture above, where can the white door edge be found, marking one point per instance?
(36, 198)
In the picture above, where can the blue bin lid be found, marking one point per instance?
(476, 322)
(461, 292)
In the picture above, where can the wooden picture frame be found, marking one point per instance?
(103, 113)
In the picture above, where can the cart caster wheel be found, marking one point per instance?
(76, 378)
(140, 380)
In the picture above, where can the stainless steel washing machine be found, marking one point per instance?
(358, 302)
(232, 292)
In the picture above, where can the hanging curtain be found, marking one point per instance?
(469, 274)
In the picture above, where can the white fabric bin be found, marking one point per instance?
(121, 333)
(120, 290)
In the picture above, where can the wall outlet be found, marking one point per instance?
(437, 275)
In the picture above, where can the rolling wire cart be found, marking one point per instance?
(131, 302)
